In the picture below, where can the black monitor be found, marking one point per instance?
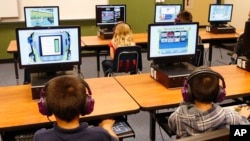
(41, 16)
(166, 12)
(246, 41)
(48, 48)
(220, 13)
(170, 43)
(107, 16)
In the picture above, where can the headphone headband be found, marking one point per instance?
(88, 104)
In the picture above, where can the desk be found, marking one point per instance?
(152, 96)
(213, 39)
(19, 111)
(97, 44)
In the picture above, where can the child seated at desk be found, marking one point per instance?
(66, 98)
(199, 112)
(122, 37)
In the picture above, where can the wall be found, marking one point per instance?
(69, 9)
(240, 12)
(139, 21)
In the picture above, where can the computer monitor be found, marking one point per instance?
(107, 16)
(48, 48)
(220, 13)
(170, 43)
(246, 41)
(41, 16)
(166, 12)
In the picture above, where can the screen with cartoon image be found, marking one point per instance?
(166, 12)
(220, 13)
(41, 16)
(172, 40)
(45, 46)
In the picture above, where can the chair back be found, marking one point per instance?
(127, 59)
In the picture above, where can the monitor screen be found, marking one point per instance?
(172, 42)
(220, 13)
(166, 12)
(41, 16)
(45, 47)
(109, 15)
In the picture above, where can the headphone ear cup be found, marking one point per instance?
(221, 95)
(89, 105)
(187, 97)
(42, 105)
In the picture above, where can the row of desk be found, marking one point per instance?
(115, 96)
(97, 44)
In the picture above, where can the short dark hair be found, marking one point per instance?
(204, 87)
(185, 16)
(65, 97)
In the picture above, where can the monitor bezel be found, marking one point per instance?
(155, 11)
(165, 60)
(40, 7)
(217, 21)
(58, 66)
(110, 5)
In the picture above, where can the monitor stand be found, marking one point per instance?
(172, 75)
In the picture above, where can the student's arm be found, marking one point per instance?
(107, 124)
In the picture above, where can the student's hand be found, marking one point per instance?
(108, 123)
(245, 111)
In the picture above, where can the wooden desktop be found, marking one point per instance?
(153, 96)
(19, 111)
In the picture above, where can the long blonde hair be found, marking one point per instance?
(123, 35)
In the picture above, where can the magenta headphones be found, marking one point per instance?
(88, 107)
(187, 92)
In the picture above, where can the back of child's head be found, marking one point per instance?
(65, 97)
(204, 87)
(122, 34)
(184, 16)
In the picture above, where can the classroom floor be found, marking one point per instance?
(139, 121)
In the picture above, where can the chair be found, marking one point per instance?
(127, 59)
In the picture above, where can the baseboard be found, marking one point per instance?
(2, 61)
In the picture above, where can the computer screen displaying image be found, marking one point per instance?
(41, 16)
(48, 46)
(171, 42)
(166, 12)
(220, 13)
(110, 15)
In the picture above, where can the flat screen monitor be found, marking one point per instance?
(41, 16)
(48, 47)
(107, 16)
(220, 13)
(172, 42)
(166, 12)
(246, 41)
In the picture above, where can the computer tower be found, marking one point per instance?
(199, 56)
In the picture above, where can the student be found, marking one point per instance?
(199, 112)
(238, 47)
(67, 99)
(122, 37)
(184, 16)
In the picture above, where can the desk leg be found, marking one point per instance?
(15, 64)
(152, 125)
(98, 62)
(210, 51)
